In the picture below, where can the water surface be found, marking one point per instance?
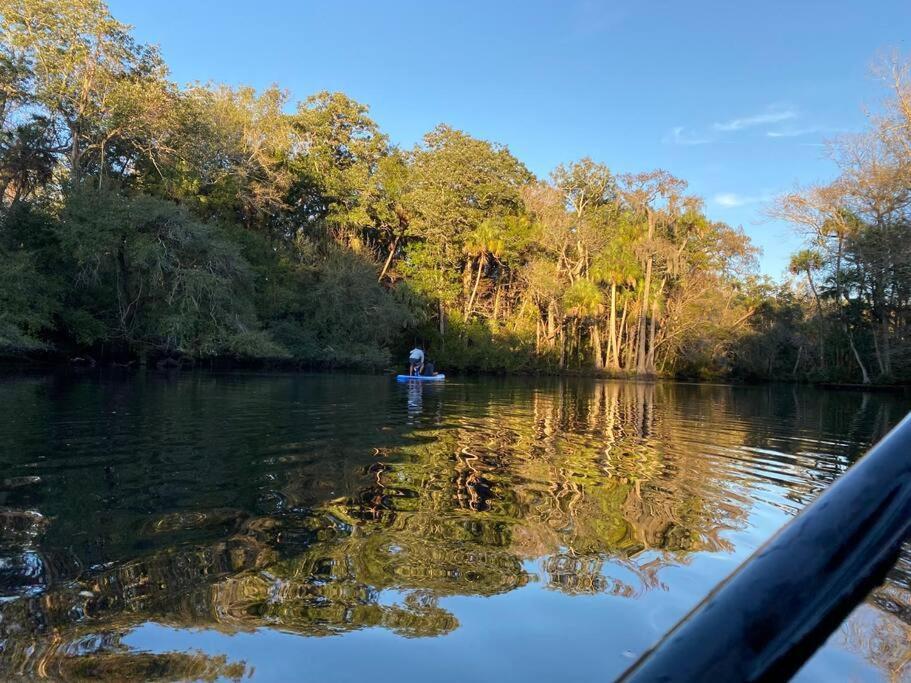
(348, 528)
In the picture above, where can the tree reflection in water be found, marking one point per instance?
(320, 506)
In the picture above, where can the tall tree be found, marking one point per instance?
(458, 182)
(79, 58)
(656, 196)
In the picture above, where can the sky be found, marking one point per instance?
(737, 98)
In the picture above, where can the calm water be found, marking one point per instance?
(342, 528)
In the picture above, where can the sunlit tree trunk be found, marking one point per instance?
(388, 262)
(551, 323)
(596, 343)
(633, 329)
(620, 333)
(887, 351)
(821, 327)
(877, 352)
(650, 362)
(797, 362)
(612, 356)
(642, 358)
(74, 155)
(467, 276)
(865, 376)
(562, 340)
(474, 292)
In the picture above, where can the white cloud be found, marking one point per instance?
(773, 115)
(731, 200)
(679, 136)
(798, 132)
(791, 132)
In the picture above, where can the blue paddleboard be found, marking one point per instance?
(420, 378)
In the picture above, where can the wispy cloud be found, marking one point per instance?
(791, 132)
(799, 132)
(772, 115)
(731, 200)
(776, 121)
(680, 136)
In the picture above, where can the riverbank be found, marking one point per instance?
(87, 365)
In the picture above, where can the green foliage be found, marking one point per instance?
(459, 184)
(152, 278)
(29, 290)
(230, 161)
(27, 303)
(139, 218)
(336, 170)
(339, 315)
(854, 277)
(583, 298)
(475, 347)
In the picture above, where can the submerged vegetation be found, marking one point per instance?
(142, 220)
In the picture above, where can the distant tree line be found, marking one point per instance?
(847, 313)
(142, 220)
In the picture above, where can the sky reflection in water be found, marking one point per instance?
(222, 526)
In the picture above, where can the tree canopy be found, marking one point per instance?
(143, 219)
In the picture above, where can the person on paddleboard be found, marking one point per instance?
(416, 361)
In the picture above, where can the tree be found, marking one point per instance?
(212, 220)
(458, 183)
(152, 279)
(337, 152)
(26, 164)
(657, 197)
(385, 206)
(27, 303)
(806, 262)
(78, 58)
(232, 148)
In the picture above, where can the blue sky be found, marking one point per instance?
(734, 97)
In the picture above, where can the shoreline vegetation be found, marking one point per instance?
(149, 224)
(257, 367)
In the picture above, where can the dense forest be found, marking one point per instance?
(146, 221)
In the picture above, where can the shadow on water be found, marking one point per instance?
(329, 505)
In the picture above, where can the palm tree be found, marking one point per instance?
(584, 301)
(806, 262)
(484, 241)
(617, 266)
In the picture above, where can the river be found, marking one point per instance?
(348, 528)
